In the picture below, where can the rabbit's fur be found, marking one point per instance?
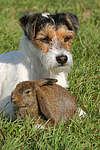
(43, 98)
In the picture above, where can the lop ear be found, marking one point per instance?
(41, 98)
(28, 24)
(44, 109)
(73, 21)
(42, 101)
(47, 81)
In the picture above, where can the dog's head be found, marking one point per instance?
(53, 34)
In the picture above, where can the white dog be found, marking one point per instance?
(45, 53)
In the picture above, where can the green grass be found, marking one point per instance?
(84, 78)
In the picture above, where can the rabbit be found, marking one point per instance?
(45, 99)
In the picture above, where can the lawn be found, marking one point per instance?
(84, 78)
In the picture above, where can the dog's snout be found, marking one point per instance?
(62, 59)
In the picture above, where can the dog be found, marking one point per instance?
(45, 53)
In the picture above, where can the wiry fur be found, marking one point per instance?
(30, 63)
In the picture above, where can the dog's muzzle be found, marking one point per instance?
(62, 59)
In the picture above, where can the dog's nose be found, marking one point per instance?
(62, 59)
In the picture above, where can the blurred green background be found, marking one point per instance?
(84, 77)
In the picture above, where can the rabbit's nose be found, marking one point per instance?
(13, 99)
(62, 59)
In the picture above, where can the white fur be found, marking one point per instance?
(81, 113)
(29, 63)
(46, 15)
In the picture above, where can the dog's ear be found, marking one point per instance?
(47, 81)
(73, 21)
(28, 23)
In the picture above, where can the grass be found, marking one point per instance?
(84, 78)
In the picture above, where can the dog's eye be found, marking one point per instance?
(45, 40)
(66, 39)
(28, 92)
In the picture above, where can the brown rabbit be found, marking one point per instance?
(45, 99)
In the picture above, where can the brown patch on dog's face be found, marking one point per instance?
(49, 36)
(33, 23)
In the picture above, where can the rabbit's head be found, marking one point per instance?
(24, 94)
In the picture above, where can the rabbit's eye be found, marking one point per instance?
(28, 92)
